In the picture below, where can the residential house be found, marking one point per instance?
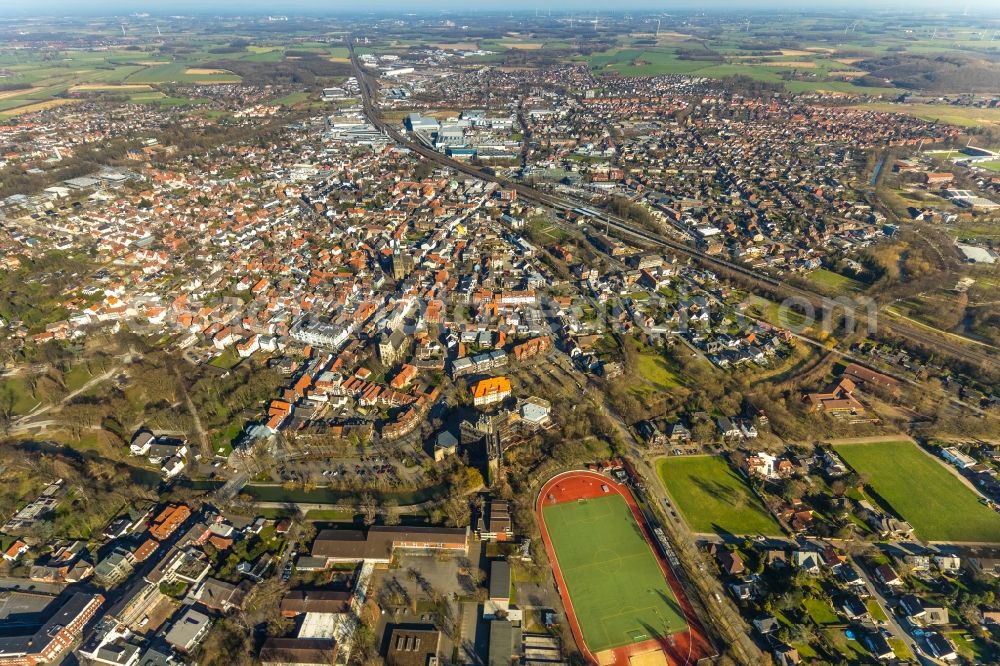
(731, 562)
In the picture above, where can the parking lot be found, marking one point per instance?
(382, 464)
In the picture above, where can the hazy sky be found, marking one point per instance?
(341, 6)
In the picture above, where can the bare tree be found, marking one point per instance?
(368, 508)
(457, 511)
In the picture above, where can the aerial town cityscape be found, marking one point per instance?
(499, 336)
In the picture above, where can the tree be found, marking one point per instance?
(264, 606)
(175, 589)
(468, 479)
(457, 511)
(6, 412)
(368, 508)
(391, 514)
(792, 489)
(228, 644)
(703, 432)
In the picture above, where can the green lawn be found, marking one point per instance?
(222, 440)
(805, 650)
(922, 491)
(774, 313)
(227, 360)
(834, 281)
(330, 514)
(820, 611)
(899, 647)
(972, 647)
(851, 650)
(713, 497)
(654, 369)
(15, 394)
(76, 377)
(292, 99)
(876, 611)
(618, 591)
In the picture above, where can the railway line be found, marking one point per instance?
(936, 340)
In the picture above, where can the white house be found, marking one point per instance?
(947, 563)
(141, 443)
(16, 551)
(172, 467)
(957, 458)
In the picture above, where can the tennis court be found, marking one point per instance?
(618, 590)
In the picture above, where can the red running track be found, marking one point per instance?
(681, 648)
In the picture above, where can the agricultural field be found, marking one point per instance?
(179, 72)
(120, 71)
(919, 488)
(619, 593)
(952, 115)
(713, 497)
(830, 55)
(815, 71)
(33, 106)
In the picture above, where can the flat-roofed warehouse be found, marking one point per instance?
(379, 542)
(499, 580)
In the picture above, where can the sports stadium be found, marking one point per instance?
(623, 603)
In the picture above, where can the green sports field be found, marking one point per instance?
(713, 497)
(922, 491)
(619, 593)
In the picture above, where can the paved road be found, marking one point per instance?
(206, 447)
(893, 624)
(23, 584)
(44, 425)
(655, 494)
